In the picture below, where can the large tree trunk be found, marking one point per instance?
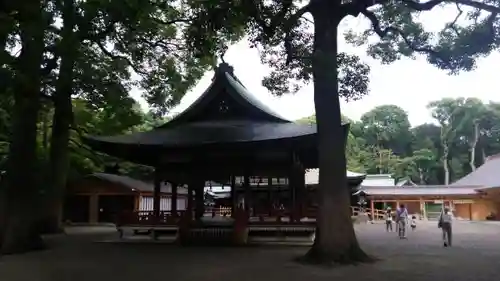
(335, 237)
(473, 144)
(5, 83)
(445, 163)
(21, 193)
(61, 123)
(45, 129)
(421, 176)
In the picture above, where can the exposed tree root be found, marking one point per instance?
(20, 236)
(317, 256)
(35, 244)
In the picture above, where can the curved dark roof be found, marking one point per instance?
(225, 82)
(202, 133)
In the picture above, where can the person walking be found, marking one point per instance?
(445, 221)
(388, 219)
(402, 221)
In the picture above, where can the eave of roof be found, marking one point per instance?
(485, 176)
(431, 190)
(210, 132)
(134, 184)
(312, 176)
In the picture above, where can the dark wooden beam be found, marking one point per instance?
(234, 199)
(174, 186)
(157, 193)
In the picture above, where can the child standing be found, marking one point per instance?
(388, 220)
(413, 222)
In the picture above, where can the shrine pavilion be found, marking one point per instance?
(226, 136)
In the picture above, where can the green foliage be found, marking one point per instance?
(471, 34)
(372, 142)
(390, 126)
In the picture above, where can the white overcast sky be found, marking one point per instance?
(410, 84)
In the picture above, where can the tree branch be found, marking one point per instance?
(169, 22)
(451, 25)
(391, 29)
(288, 27)
(84, 33)
(429, 5)
(356, 7)
(118, 57)
(94, 154)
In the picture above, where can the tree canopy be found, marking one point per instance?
(423, 161)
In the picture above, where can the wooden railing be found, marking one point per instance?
(377, 214)
(219, 211)
(148, 218)
(273, 216)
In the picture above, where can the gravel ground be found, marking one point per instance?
(77, 256)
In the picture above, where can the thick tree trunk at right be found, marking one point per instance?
(21, 193)
(335, 237)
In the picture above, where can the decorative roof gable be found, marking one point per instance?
(226, 99)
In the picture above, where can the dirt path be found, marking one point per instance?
(475, 256)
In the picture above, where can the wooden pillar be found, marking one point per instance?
(270, 194)
(301, 195)
(422, 209)
(372, 209)
(234, 199)
(93, 208)
(292, 187)
(248, 193)
(470, 211)
(173, 198)
(189, 209)
(157, 194)
(137, 202)
(199, 199)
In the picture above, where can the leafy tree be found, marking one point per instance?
(279, 28)
(446, 111)
(101, 44)
(471, 127)
(19, 192)
(354, 147)
(388, 127)
(420, 164)
(91, 54)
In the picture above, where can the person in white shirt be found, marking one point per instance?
(388, 219)
(445, 221)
